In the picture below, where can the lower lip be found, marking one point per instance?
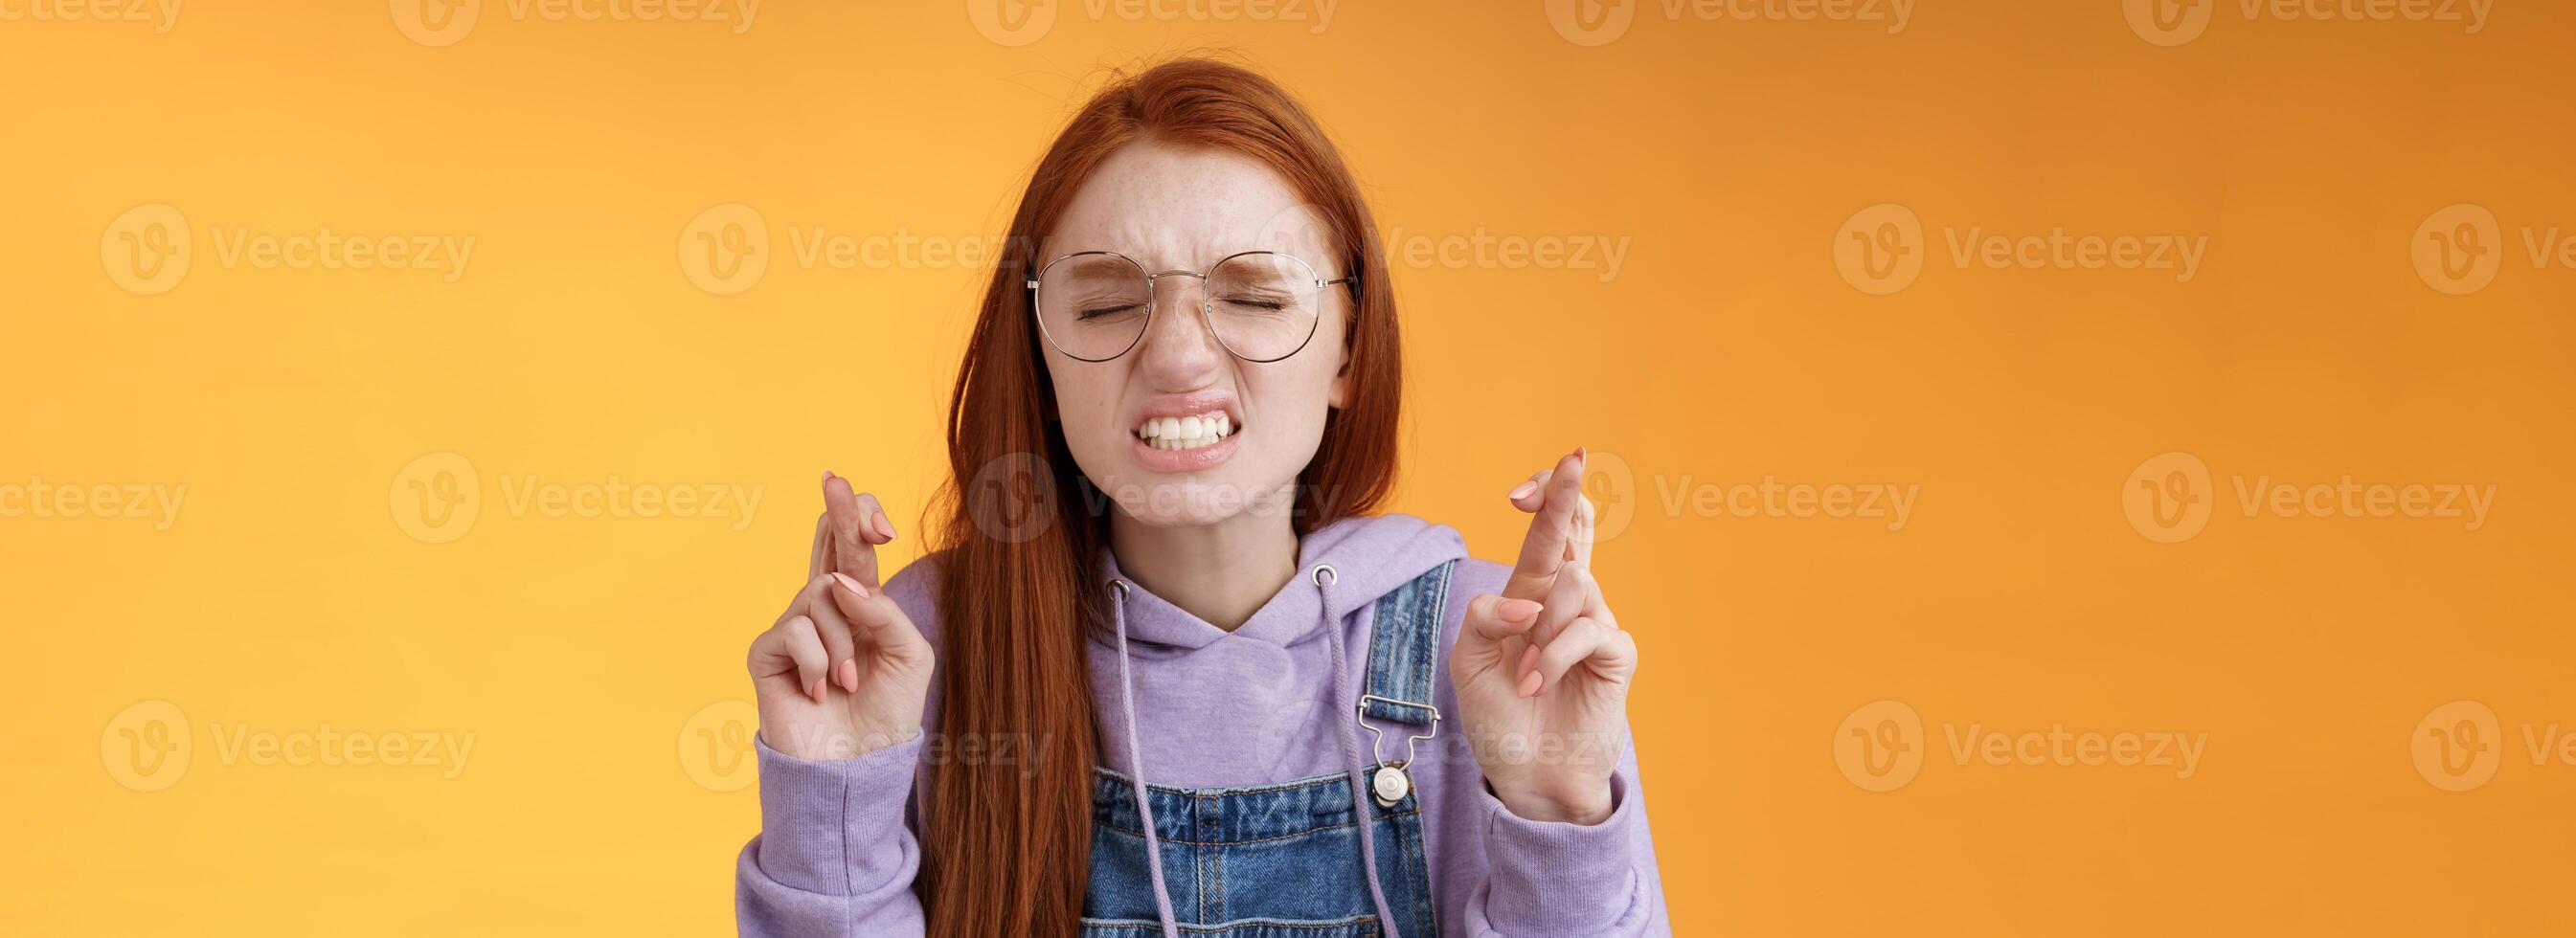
(1183, 460)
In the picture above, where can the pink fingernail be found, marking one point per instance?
(1523, 491)
(850, 584)
(1529, 659)
(817, 692)
(884, 526)
(850, 675)
(1518, 610)
(1529, 684)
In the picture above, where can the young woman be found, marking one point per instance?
(1163, 671)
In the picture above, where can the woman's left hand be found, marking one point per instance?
(1542, 671)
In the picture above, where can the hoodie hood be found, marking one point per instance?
(1370, 557)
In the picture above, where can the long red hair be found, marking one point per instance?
(1007, 848)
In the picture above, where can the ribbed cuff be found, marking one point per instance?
(824, 825)
(1552, 877)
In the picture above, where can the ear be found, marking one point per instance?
(1340, 394)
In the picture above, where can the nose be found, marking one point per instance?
(1178, 352)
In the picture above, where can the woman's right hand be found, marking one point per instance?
(843, 672)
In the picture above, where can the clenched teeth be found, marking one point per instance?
(1189, 432)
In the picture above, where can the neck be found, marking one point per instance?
(1221, 573)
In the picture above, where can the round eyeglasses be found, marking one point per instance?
(1262, 306)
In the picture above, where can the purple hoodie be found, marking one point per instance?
(837, 853)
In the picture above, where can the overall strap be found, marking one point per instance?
(1404, 650)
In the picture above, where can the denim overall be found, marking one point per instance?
(1283, 860)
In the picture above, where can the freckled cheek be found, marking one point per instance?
(1086, 396)
(1286, 399)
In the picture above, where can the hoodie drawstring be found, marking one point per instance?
(1346, 710)
(1136, 763)
(1347, 715)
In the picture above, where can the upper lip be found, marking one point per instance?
(1192, 404)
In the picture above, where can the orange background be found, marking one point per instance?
(291, 590)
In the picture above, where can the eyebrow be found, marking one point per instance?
(1096, 264)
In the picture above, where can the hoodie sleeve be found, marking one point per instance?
(838, 848)
(1560, 879)
(835, 855)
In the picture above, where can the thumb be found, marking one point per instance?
(1490, 621)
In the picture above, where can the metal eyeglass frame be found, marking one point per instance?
(1207, 316)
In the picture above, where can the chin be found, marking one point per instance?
(1195, 499)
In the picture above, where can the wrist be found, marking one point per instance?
(1583, 803)
(821, 744)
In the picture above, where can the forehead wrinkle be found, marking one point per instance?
(1172, 209)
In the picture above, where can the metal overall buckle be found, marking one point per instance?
(1391, 784)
